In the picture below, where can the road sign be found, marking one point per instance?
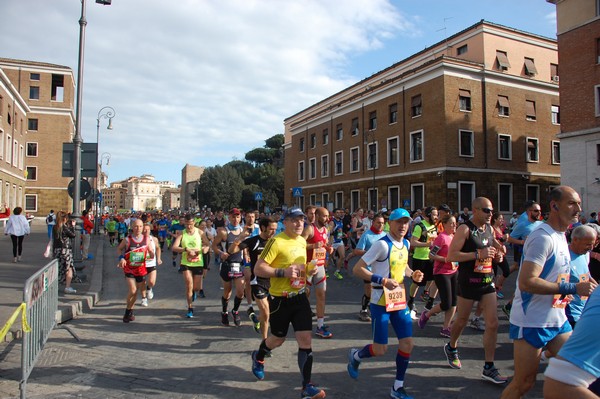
(406, 204)
(258, 196)
(85, 189)
(297, 192)
(89, 153)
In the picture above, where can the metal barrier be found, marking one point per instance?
(40, 295)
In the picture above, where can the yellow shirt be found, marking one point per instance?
(280, 252)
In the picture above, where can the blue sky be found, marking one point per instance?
(203, 82)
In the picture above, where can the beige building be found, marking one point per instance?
(138, 193)
(476, 114)
(171, 199)
(578, 23)
(42, 119)
(190, 175)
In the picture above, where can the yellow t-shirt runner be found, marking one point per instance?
(280, 252)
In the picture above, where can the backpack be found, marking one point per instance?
(49, 219)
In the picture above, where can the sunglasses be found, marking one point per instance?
(487, 210)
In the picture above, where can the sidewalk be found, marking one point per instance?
(14, 275)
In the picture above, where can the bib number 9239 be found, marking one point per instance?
(395, 299)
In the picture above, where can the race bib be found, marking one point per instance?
(395, 299)
(483, 265)
(560, 301)
(136, 259)
(319, 254)
(584, 278)
(235, 270)
(300, 281)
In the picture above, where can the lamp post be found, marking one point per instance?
(108, 114)
(77, 139)
(99, 196)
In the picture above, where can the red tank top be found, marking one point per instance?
(318, 236)
(135, 256)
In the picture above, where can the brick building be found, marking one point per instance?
(41, 113)
(578, 26)
(190, 174)
(476, 114)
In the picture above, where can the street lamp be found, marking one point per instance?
(108, 114)
(77, 138)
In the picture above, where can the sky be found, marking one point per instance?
(205, 81)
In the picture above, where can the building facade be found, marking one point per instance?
(142, 193)
(578, 23)
(171, 199)
(48, 90)
(190, 174)
(474, 115)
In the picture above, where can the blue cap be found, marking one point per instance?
(293, 213)
(399, 213)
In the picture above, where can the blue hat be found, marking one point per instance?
(399, 213)
(293, 213)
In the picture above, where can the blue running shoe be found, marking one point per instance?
(190, 314)
(312, 392)
(353, 364)
(323, 332)
(399, 394)
(258, 368)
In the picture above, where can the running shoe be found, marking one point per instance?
(499, 294)
(258, 367)
(237, 320)
(445, 332)
(477, 324)
(128, 317)
(353, 364)
(193, 296)
(338, 275)
(190, 314)
(493, 375)
(70, 290)
(363, 315)
(150, 293)
(255, 322)
(423, 319)
(323, 332)
(413, 315)
(506, 309)
(145, 302)
(225, 318)
(174, 263)
(452, 356)
(399, 394)
(425, 297)
(201, 294)
(312, 392)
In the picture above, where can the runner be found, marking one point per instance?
(336, 227)
(388, 258)
(152, 262)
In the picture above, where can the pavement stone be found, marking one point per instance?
(164, 355)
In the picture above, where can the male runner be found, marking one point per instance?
(151, 263)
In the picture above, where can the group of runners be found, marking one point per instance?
(277, 262)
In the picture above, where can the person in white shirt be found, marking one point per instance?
(17, 227)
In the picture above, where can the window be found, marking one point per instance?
(301, 145)
(8, 149)
(325, 136)
(502, 60)
(324, 165)
(21, 157)
(373, 199)
(530, 110)
(555, 152)
(339, 132)
(34, 93)
(555, 109)
(32, 124)
(301, 171)
(372, 157)
(355, 199)
(504, 147)
(58, 88)
(354, 159)
(393, 113)
(373, 120)
(530, 68)
(464, 100)
(313, 140)
(1, 148)
(339, 163)
(354, 128)
(31, 173)
(312, 168)
(532, 150)
(460, 51)
(532, 192)
(31, 203)
(34, 76)
(597, 99)
(416, 106)
(312, 199)
(466, 143)
(325, 199)
(598, 51)
(504, 197)
(466, 194)
(393, 156)
(554, 72)
(503, 106)
(417, 196)
(416, 146)
(339, 199)
(393, 197)
(15, 154)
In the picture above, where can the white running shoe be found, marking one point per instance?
(144, 302)
(150, 293)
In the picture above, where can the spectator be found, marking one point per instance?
(17, 226)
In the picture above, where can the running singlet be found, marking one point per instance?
(478, 271)
(427, 235)
(548, 248)
(255, 246)
(280, 252)
(136, 253)
(192, 241)
(579, 273)
(151, 261)
(337, 231)
(318, 236)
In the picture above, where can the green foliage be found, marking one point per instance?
(260, 156)
(275, 142)
(221, 187)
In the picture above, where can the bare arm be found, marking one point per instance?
(263, 269)
(158, 251)
(456, 255)
(221, 236)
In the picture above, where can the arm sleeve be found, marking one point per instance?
(538, 249)
(378, 250)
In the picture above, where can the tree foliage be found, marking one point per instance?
(220, 187)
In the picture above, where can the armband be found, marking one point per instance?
(279, 273)
(121, 257)
(567, 288)
(377, 279)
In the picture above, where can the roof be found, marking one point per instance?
(32, 63)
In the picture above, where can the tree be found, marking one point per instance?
(220, 187)
(261, 156)
(275, 142)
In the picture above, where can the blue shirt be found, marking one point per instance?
(579, 272)
(367, 239)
